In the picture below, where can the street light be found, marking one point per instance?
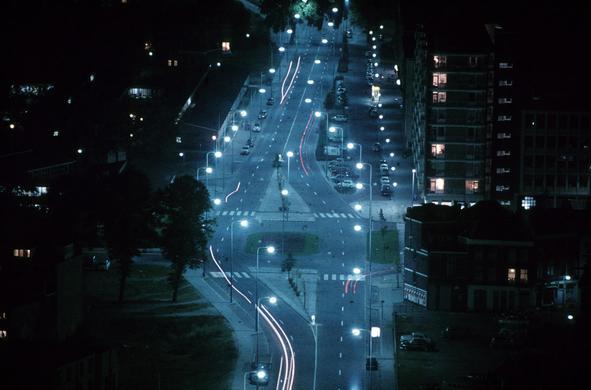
(243, 223)
(217, 201)
(284, 192)
(360, 166)
(281, 49)
(270, 250)
(357, 207)
(243, 113)
(356, 271)
(352, 145)
(324, 41)
(317, 61)
(357, 228)
(289, 156)
(335, 10)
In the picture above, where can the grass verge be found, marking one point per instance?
(385, 247)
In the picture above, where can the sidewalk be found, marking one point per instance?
(233, 313)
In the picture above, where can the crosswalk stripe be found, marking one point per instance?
(325, 276)
(232, 212)
(322, 215)
(316, 215)
(224, 213)
(252, 213)
(218, 213)
(342, 277)
(351, 215)
(238, 213)
(329, 215)
(216, 274)
(334, 277)
(247, 276)
(236, 275)
(343, 215)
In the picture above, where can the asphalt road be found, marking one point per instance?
(252, 192)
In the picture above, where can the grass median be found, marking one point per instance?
(298, 244)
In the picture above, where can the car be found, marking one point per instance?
(278, 161)
(245, 151)
(263, 114)
(256, 128)
(377, 147)
(416, 342)
(385, 180)
(340, 118)
(270, 101)
(341, 90)
(259, 376)
(250, 142)
(347, 183)
(349, 33)
(97, 263)
(386, 190)
(384, 169)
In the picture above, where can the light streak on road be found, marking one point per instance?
(288, 355)
(233, 192)
(280, 368)
(285, 79)
(302, 139)
(295, 73)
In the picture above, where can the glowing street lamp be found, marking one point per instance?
(357, 207)
(289, 156)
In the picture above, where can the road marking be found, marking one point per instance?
(343, 215)
(316, 215)
(224, 213)
(340, 373)
(340, 355)
(341, 339)
(322, 215)
(315, 193)
(325, 276)
(218, 213)
(231, 212)
(342, 277)
(350, 215)
(238, 213)
(342, 308)
(323, 202)
(222, 239)
(334, 277)
(341, 322)
(329, 215)
(246, 275)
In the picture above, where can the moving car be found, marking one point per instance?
(263, 114)
(256, 128)
(385, 180)
(377, 147)
(340, 118)
(270, 101)
(341, 90)
(416, 342)
(386, 190)
(384, 169)
(245, 151)
(347, 183)
(250, 142)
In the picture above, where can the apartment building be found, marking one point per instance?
(453, 96)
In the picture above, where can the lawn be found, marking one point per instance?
(163, 345)
(298, 244)
(385, 247)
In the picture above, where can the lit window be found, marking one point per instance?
(505, 65)
(505, 83)
(504, 118)
(437, 150)
(439, 79)
(56, 133)
(225, 47)
(472, 61)
(528, 202)
(175, 62)
(511, 275)
(179, 140)
(503, 153)
(2, 334)
(22, 253)
(471, 186)
(439, 97)
(503, 135)
(169, 62)
(501, 188)
(439, 61)
(437, 185)
(42, 190)
(505, 100)
(523, 275)
(2, 315)
(503, 170)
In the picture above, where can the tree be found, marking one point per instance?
(287, 264)
(128, 221)
(185, 230)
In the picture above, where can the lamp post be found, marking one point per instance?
(244, 224)
(360, 166)
(217, 154)
(270, 250)
(351, 145)
(412, 199)
(207, 170)
(289, 156)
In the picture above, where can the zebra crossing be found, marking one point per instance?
(241, 213)
(235, 275)
(342, 277)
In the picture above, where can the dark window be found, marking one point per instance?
(585, 122)
(562, 121)
(541, 121)
(529, 141)
(551, 142)
(529, 162)
(551, 121)
(539, 181)
(561, 142)
(583, 180)
(549, 180)
(539, 162)
(530, 121)
(539, 142)
(574, 122)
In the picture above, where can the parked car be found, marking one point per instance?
(385, 180)
(347, 183)
(245, 151)
(416, 342)
(377, 147)
(340, 118)
(97, 263)
(263, 114)
(250, 142)
(270, 101)
(386, 190)
(349, 33)
(278, 160)
(384, 169)
(256, 128)
(341, 90)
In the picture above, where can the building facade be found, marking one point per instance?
(452, 110)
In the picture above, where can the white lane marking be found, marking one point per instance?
(340, 373)
(232, 212)
(218, 213)
(322, 215)
(342, 308)
(316, 215)
(341, 339)
(341, 322)
(343, 215)
(222, 239)
(329, 215)
(325, 276)
(224, 213)
(315, 193)
(350, 216)
(334, 277)
(340, 355)
(246, 275)
(323, 202)
(238, 213)
(342, 277)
